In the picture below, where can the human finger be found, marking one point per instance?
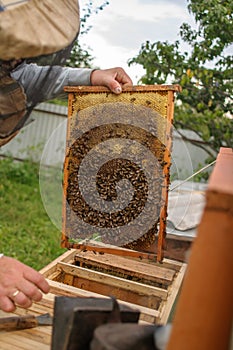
(6, 304)
(118, 81)
(113, 78)
(122, 77)
(19, 298)
(36, 278)
(13, 273)
(30, 290)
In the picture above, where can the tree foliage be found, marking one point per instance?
(204, 72)
(80, 55)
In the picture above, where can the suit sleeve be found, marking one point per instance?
(43, 83)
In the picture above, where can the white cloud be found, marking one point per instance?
(144, 10)
(120, 29)
(132, 33)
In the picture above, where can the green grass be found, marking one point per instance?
(26, 232)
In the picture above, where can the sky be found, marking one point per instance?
(120, 29)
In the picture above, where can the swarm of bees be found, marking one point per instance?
(91, 195)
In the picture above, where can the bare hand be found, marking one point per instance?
(116, 79)
(19, 284)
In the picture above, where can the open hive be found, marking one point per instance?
(135, 280)
(69, 275)
(116, 171)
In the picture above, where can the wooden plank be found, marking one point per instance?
(51, 268)
(8, 343)
(44, 306)
(175, 248)
(166, 307)
(58, 288)
(41, 309)
(41, 334)
(149, 273)
(139, 88)
(68, 257)
(172, 264)
(5, 346)
(68, 279)
(119, 293)
(114, 250)
(54, 275)
(113, 281)
(17, 338)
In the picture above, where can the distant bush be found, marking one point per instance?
(25, 172)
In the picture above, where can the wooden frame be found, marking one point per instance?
(164, 103)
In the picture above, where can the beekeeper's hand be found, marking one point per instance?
(116, 79)
(19, 284)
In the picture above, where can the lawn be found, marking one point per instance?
(26, 231)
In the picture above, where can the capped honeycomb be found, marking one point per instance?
(116, 171)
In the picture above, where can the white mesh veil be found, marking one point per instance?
(31, 31)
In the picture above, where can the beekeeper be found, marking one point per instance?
(23, 85)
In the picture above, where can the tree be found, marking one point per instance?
(81, 56)
(205, 73)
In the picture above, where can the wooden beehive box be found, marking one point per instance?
(135, 280)
(112, 138)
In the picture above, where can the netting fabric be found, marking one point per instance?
(41, 32)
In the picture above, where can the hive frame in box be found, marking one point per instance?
(81, 97)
